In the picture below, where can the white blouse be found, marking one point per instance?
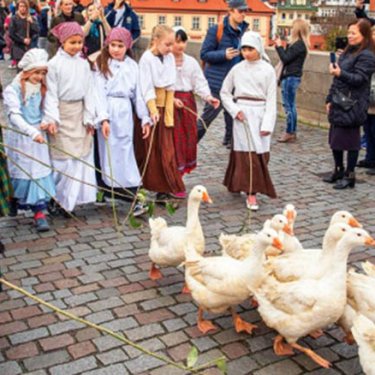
(190, 77)
(69, 78)
(156, 72)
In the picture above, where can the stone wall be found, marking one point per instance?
(312, 92)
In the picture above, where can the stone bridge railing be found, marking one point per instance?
(312, 92)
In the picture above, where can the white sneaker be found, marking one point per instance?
(251, 203)
(139, 209)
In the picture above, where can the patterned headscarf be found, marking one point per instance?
(122, 34)
(65, 30)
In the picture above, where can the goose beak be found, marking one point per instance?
(369, 241)
(354, 223)
(290, 215)
(288, 230)
(206, 198)
(277, 243)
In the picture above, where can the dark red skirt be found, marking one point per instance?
(237, 176)
(161, 173)
(185, 133)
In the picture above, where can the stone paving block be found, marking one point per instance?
(350, 366)
(113, 356)
(10, 368)
(107, 293)
(46, 360)
(22, 351)
(100, 317)
(121, 324)
(81, 349)
(168, 370)
(261, 342)
(284, 367)
(235, 350)
(266, 357)
(152, 345)
(204, 343)
(62, 327)
(345, 350)
(106, 304)
(174, 324)
(29, 335)
(80, 299)
(76, 367)
(172, 339)
(104, 343)
(56, 342)
(145, 332)
(139, 296)
(118, 369)
(142, 363)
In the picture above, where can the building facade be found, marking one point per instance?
(196, 16)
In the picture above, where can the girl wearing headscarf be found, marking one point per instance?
(118, 89)
(190, 80)
(249, 95)
(70, 115)
(32, 181)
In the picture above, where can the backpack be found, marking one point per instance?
(219, 36)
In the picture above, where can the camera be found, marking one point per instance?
(341, 42)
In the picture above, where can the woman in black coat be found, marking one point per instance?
(348, 101)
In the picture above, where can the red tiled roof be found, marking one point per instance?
(195, 5)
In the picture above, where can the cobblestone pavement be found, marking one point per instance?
(96, 273)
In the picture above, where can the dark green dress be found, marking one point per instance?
(5, 186)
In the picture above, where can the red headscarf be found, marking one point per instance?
(122, 34)
(65, 30)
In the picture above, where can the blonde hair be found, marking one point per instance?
(158, 32)
(300, 31)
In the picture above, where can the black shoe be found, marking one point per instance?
(366, 164)
(2, 248)
(371, 172)
(337, 174)
(346, 182)
(139, 209)
(13, 207)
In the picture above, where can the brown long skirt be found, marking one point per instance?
(237, 176)
(161, 173)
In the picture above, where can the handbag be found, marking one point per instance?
(343, 101)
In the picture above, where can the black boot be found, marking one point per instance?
(13, 207)
(337, 174)
(347, 181)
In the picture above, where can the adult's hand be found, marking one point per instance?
(146, 130)
(231, 53)
(39, 139)
(213, 101)
(27, 41)
(278, 41)
(178, 103)
(335, 70)
(359, 4)
(328, 107)
(240, 116)
(105, 129)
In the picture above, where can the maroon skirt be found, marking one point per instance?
(237, 176)
(185, 133)
(161, 173)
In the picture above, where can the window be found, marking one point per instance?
(178, 21)
(211, 21)
(290, 16)
(141, 21)
(256, 24)
(196, 23)
(299, 15)
(283, 16)
(162, 20)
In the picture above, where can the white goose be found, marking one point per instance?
(295, 309)
(168, 243)
(217, 283)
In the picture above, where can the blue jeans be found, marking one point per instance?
(289, 86)
(369, 128)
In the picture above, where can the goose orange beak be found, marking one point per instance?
(288, 230)
(206, 198)
(277, 243)
(370, 241)
(290, 215)
(354, 223)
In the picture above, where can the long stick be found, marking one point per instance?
(69, 154)
(39, 185)
(106, 330)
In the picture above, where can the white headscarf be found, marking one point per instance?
(35, 58)
(253, 39)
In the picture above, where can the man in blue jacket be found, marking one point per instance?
(120, 14)
(220, 52)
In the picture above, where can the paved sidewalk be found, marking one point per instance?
(102, 275)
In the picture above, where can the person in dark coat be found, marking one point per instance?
(120, 14)
(352, 76)
(4, 11)
(361, 13)
(66, 14)
(23, 30)
(219, 57)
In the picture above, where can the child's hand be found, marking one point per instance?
(264, 133)
(43, 126)
(178, 103)
(90, 130)
(146, 130)
(240, 116)
(52, 129)
(105, 129)
(39, 139)
(213, 101)
(155, 118)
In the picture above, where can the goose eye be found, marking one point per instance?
(359, 235)
(268, 236)
(344, 230)
(343, 216)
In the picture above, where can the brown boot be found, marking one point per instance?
(287, 137)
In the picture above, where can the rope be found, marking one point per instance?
(109, 332)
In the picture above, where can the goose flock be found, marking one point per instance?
(297, 291)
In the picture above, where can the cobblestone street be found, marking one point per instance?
(101, 275)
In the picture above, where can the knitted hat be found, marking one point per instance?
(122, 34)
(35, 58)
(65, 30)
